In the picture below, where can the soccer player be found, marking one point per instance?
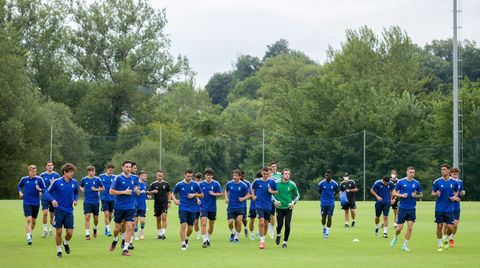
(244, 218)
(455, 173)
(30, 188)
(382, 190)
(141, 196)
(446, 191)
(160, 189)
(236, 194)
(276, 176)
(408, 190)
(107, 200)
(90, 186)
(63, 193)
(136, 179)
(252, 213)
(285, 201)
(48, 177)
(211, 190)
(262, 191)
(124, 212)
(350, 188)
(394, 200)
(327, 189)
(188, 191)
(198, 179)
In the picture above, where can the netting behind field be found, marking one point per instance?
(365, 155)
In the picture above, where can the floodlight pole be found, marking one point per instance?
(455, 88)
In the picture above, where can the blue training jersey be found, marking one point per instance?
(107, 182)
(209, 202)
(90, 196)
(456, 205)
(408, 187)
(142, 198)
(447, 189)
(327, 192)
(122, 183)
(264, 197)
(384, 191)
(31, 196)
(236, 191)
(49, 178)
(184, 189)
(64, 193)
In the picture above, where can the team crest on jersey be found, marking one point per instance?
(191, 188)
(163, 186)
(441, 186)
(451, 186)
(212, 188)
(238, 187)
(73, 186)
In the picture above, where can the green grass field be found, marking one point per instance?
(307, 247)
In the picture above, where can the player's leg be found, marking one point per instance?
(142, 224)
(288, 219)
(353, 213)
(212, 217)
(280, 219)
(87, 226)
(203, 223)
(378, 212)
(45, 217)
(68, 224)
(135, 225)
(245, 222)
(272, 225)
(95, 213)
(164, 225)
(347, 219)
(385, 212)
(51, 210)
(118, 228)
(196, 226)
(252, 214)
(230, 222)
(238, 227)
(129, 222)
(58, 240)
(190, 221)
(28, 229)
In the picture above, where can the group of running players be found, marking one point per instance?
(123, 199)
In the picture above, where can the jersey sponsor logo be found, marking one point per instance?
(163, 187)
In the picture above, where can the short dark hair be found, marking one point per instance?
(127, 162)
(394, 170)
(410, 168)
(266, 168)
(134, 163)
(110, 166)
(67, 167)
(238, 172)
(188, 170)
(198, 175)
(328, 173)
(455, 170)
(90, 168)
(445, 165)
(259, 174)
(142, 172)
(209, 171)
(285, 169)
(49, 162)
(161, 171)
(273, 162)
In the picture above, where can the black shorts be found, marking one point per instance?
(350, 205)
(395, 204)
(160, 208)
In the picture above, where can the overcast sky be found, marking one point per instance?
(213, 33)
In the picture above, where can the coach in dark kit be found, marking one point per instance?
(350, 187)
(161, 192)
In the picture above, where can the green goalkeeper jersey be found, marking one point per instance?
(287, 193)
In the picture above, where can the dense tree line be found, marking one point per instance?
(102, 75)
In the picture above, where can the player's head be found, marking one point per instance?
(445, 170)
(266, 172)
(160, 175)
(386, 179)
(286, 174)
(32, 170)
(49, 166)
(188, 175)
(273, 166)
(134, 168)
(237, 175)
(346, 176)
(328, 175)
(242, 175)
(208, 173)
(410, 172)
(91, 171)
(393, 174)
(127, 167)
(68, 169)
(110, 169)
(142, 175)
(198, 177)
(455, 173)
(259, 174)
